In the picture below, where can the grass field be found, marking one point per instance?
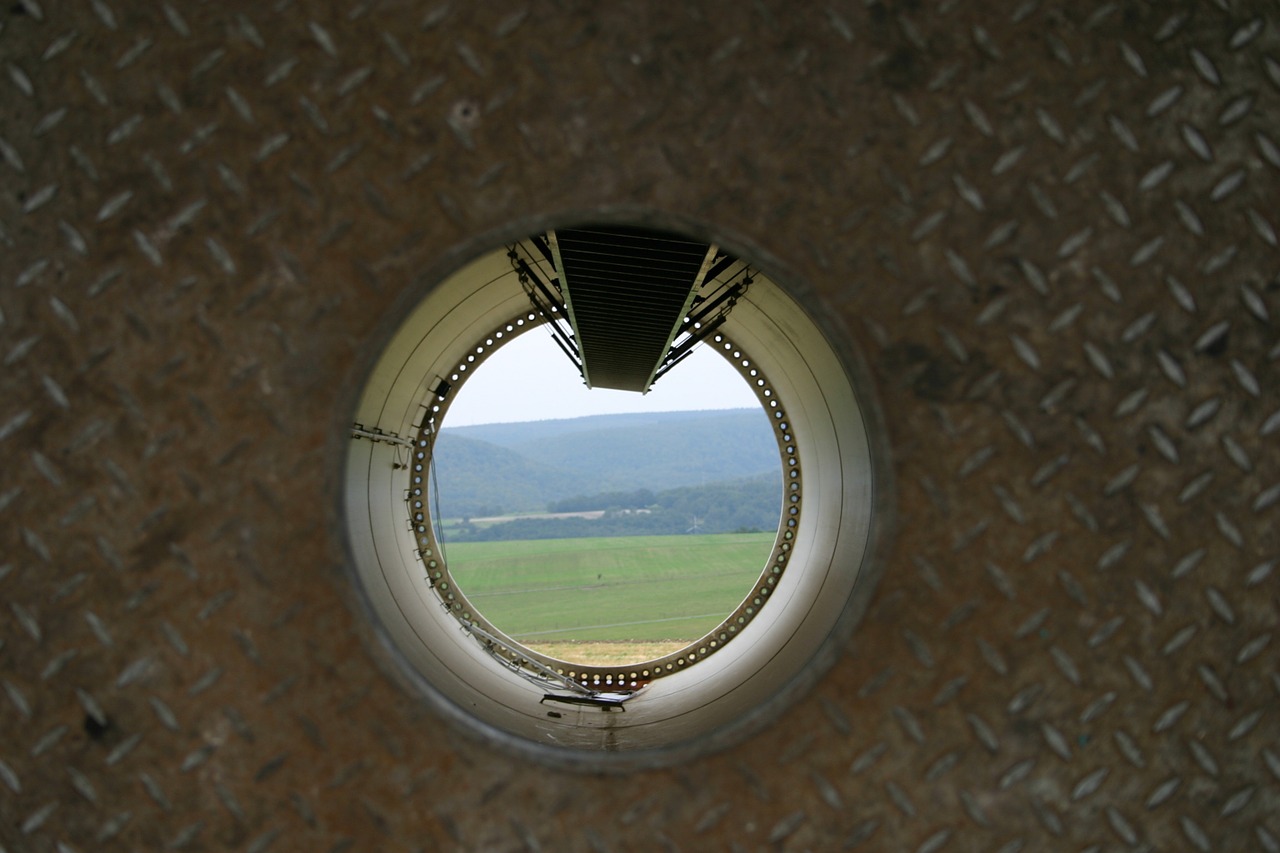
(564, 594)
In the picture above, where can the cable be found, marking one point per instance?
(437, 519)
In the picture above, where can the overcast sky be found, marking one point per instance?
(530, 379)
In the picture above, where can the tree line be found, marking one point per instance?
(737, 506)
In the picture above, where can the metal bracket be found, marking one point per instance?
(377, 436)
(603, 701)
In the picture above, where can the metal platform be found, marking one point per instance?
(1050, 227)
(627, 291)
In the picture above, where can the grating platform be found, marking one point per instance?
(1050, 227)
(627, 290)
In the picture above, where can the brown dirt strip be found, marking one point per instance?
(607, 653)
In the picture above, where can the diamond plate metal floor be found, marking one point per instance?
(1050, 226)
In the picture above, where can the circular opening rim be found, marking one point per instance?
(835, 633)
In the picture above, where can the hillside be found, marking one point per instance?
(478, 478)
(664, 454)
(515, 434)
(515, 468)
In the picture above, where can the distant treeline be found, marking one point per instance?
(638, 499)
(737, 506)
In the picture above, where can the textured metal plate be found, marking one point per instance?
(1051, 226)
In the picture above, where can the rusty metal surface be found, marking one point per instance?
(1051, 227)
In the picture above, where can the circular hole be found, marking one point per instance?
(718, 686)
(625, 526)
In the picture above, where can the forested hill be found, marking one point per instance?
(518, 468)
(516, 434)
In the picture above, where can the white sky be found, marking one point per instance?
(530, 379)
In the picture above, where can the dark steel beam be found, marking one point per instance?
(627, 292)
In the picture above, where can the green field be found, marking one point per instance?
(627, 589)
